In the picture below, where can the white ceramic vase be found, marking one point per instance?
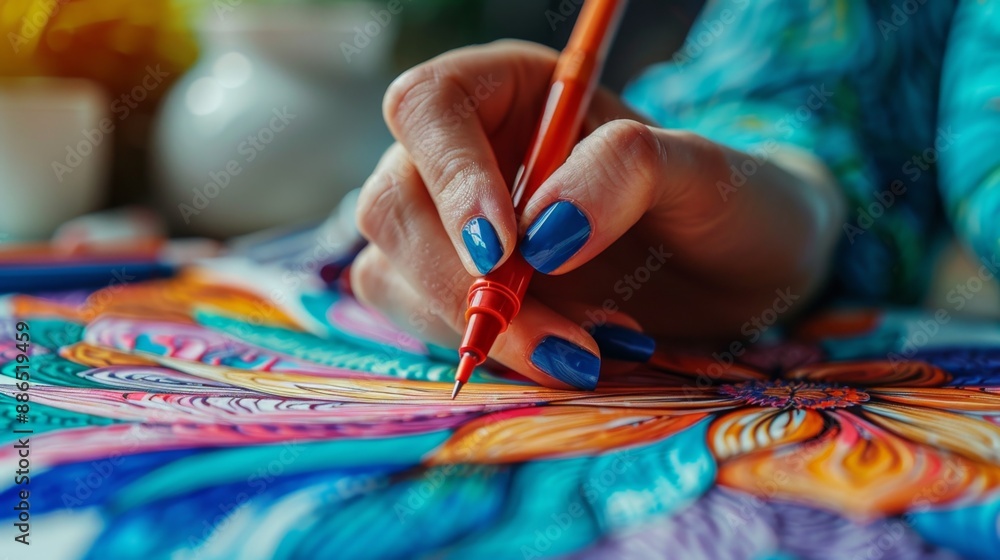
(278, 120)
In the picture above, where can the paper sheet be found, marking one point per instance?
(204, 417)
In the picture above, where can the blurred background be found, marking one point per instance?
(222, 117)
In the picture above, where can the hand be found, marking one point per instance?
(636, 230)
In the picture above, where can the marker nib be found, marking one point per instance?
(465, 367)
(458, 387)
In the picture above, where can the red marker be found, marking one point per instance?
(495, 299)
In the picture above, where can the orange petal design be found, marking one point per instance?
(29, 306)
(962, 434)
(945, 398)
(98, 356)
(176, 299)
(874, 374)
(705, 368)
(752, 429)
(861, 470)
(546, 432)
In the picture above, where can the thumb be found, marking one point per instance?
(617, 174)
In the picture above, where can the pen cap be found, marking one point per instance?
(492, 306)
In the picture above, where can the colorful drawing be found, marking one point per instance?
(199, 418)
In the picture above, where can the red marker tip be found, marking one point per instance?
(465, 367)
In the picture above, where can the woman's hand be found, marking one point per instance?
(642, 228)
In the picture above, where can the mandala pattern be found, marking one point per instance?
(197, 418)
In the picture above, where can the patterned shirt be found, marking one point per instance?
(900, 99)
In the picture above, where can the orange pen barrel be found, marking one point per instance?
(495, 299)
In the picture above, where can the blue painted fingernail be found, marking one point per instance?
(555, 236)
(567, 362)
(483, 244)
(620, 343)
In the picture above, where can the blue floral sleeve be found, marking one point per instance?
(970, 105)
(853, 82)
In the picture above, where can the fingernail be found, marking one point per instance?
(567, 362)
(555, 236)
(483, 244)
(620, 343)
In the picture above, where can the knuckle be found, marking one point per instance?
(507, 43)
(409, 92)
(457, 172)
(632, 156)
(634, 142)
(520, 46)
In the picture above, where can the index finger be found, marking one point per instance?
(444, 112)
